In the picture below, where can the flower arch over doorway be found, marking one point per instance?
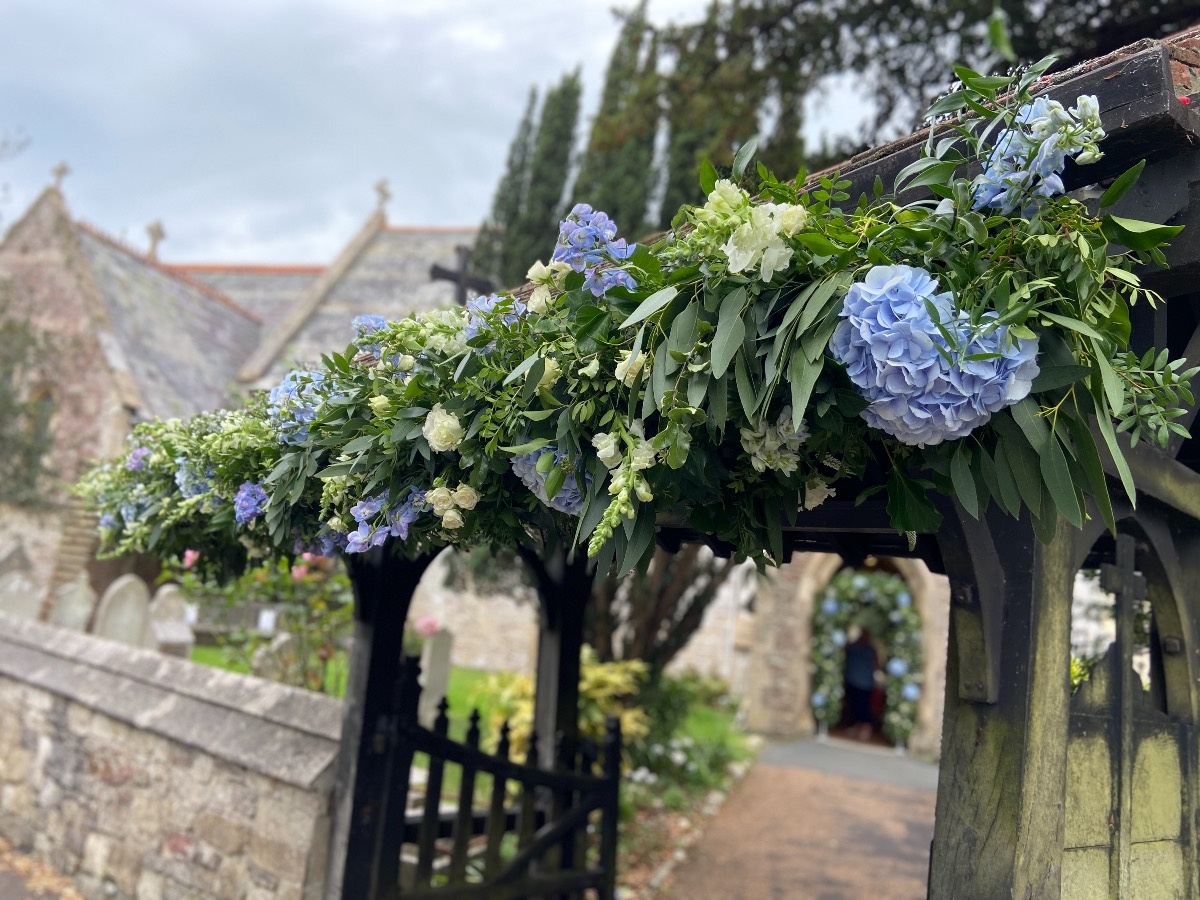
(881, 602)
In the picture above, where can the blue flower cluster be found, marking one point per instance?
(189, 482)
(397, 519)
(587, 239)
(923, 389)
(292, 405)
(364, 327)
(136, 460)
(569, 498)
(1026, 163)
(478, 308)
(249, 502)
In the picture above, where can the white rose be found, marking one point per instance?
(790, 219)
(381, 406)
(607, 449)
(452, 520)
(336, 524)
(441, 499)
(442, 430)
(539, 299)
(465, 496)
(627, 369)
(405, 363)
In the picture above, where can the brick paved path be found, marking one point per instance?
(817, 822)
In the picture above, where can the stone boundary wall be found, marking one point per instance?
(145, 777)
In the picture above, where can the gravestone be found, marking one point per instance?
(435, 675)
(19, 596)
(74, 603)
(13, 559)
(276, 659)
(173, 634)
(124, 613)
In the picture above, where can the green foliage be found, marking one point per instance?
(492, 256)
(880, 603)
(605, 689)
(549, 167)
(314, 604)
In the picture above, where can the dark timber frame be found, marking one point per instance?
(1003, 789)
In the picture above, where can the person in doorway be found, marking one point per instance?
(861, 664)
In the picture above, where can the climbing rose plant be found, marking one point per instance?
(769, 353)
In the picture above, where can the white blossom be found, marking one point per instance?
(465, 496)
(452, 520)
(441, 499)
(608, 449)
(628, 369)
(442, 429)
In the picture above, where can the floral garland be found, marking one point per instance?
(879, 601)
(765, 355)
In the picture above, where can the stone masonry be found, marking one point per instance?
(146, 777)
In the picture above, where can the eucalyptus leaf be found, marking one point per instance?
(964, 483)
(731, 331)
(651, 305)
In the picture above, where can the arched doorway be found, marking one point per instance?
(869, 611)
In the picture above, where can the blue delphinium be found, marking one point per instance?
(897, 667)
(569, 498)
(292, 405)
(922, 388)
(830, 606)
(1027, 160)
(249, 502)
(911, 692)
(397, 519)
(108, 520)
(587, 239)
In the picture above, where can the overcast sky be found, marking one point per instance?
(256, 130)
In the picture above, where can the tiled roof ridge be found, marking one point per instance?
(428, 229)
(248, 268)
(208, 290)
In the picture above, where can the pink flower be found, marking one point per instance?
(299, 572)
(1186, 101)
(427, 626)
(309, 557)
(190, 557)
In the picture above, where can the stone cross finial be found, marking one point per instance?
(381, 189)
(61, 171)
(156, 233)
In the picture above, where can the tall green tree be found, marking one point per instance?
(616, 173)
(488, 257)
(536, 229)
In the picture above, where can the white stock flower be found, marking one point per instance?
(452, 520)
(405, 362)
(775, 258)
(551, 374)
(380, 405)
(743, 248)
(627, 369)
(642, 456)
(726, 198)
(539, 299)
(336, 524)
(442, 429)
(591, 370)
(608, 449)
(441, 499)
(465, 496)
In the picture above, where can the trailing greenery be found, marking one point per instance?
(754, 361)
(27, 407)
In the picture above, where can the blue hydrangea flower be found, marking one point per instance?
(108, 520)
(191, 484)
(911, 692)
(588, 239)
(904, 600)
(859, 582)
(292, 405)
(921, 388)
(897, 667)
(136, 460)
(838, 637)
(818, 700)
(249, 503)
(569, 498)
(830, 606)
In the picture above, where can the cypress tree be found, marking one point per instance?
(536, 229)
(616, 173)
(487, 257)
